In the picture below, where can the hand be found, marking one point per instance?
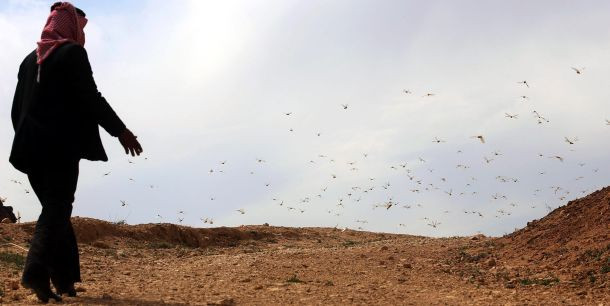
(130, 143)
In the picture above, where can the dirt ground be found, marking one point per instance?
(555, 260)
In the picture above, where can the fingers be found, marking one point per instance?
(136, 145)
(131, 144)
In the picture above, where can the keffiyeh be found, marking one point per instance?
(63, 25)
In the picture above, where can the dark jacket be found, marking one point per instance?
(57, 118)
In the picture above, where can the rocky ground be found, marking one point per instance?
(563, 258)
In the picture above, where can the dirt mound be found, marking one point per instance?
(581, 224)
(105, 234)
(163, 235)
(571, 244)
(574, 238)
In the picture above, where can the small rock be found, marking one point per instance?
(407, 265)
(224, 302)
(491, 263)
(100, 244)
(265, 224)
(14, 285)
(384, 248)
(17, 297)
(259, 287)
(477, 237)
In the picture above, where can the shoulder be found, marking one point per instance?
(29, 60)
(31, 57)
(72, 56)
(71, 51)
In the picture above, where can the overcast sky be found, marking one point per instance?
(204, 82)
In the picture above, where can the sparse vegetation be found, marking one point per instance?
(592, 277)
(294, 279)
(594, 254)
(16, 260)
(502, 276)
(159, 245)
(539, 281)
(349, 243)
(464, 256)
(252, 249)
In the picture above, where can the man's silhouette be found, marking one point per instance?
(56, 112)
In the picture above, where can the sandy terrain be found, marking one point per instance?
(563, 258)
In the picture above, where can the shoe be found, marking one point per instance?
(43, 291)
(69, 290)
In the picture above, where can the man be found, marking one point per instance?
(56, 112)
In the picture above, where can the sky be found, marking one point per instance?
(384, 98)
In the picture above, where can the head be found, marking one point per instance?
(75, 19)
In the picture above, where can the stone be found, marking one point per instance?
(14, 284)
(491, 263)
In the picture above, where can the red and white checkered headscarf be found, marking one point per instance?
(63, 25)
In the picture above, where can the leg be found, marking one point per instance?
(36, 271)
(67, 268)
(51, 251)
(72, 255)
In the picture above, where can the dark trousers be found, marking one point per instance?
(53, 251)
